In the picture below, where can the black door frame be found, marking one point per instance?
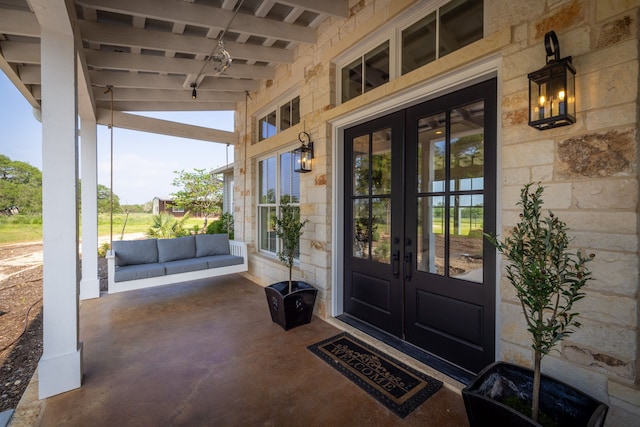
(339, 304)
(464, 340)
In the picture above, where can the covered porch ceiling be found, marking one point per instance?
(152, 52)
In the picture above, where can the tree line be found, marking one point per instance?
(21, 191)
(200, 192)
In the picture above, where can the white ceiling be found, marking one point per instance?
(152, 51)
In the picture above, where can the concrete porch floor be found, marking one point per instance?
(206, 353)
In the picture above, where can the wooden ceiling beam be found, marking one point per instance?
(205, 16)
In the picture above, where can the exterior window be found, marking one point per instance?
(368, 72)
(420, 39)
(283, 117)
(267, 126)
(290, 113)
(376, 67)
(277, 182)
(352, 80)
(419, 43)
(461, 23)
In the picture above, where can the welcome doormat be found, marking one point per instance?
(394, 384)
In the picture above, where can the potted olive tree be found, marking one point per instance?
(548, 279)
(291, 302)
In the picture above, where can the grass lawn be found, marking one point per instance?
(18, 233)
(22, 228)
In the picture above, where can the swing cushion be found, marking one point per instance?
(135, 252)
(212, 244)
(175, 249)
(135, 272)
(223, 260)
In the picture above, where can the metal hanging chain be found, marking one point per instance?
(219, 43)
(110, 90)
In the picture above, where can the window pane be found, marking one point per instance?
(290, 113)
(431, 153)
(289, 180)
(465, 234)
(361, 228)
(461, 23)
(295, 185)
(267, 180)
(285, 116)
(376, 67)
(419, 43)
(295, 111)
(381, 230)
(430, 256)
(352, 80)
(361, 166)
(267, 232)
(381, 162)
(285, 177)
(267, 126)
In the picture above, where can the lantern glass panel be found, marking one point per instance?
(552, 95)
(302, 159)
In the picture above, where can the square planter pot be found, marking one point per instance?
(291, 309)
(486, 399)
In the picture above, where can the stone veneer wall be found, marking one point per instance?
(590, 168)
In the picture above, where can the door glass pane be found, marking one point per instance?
(431, 153)
(381, 230)
(467, 147)
(361, 228)
(430, 236)
(465, 234)
(376, 67)
(461, 23)
(361, 166)
(419, 43)
(352, 80)
(381, 162)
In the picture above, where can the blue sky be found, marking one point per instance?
(143, 162)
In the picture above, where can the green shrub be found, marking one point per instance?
(219, 226)
(167, 226)
(102, 249)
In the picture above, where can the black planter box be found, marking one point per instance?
(291, 309)
(564, 404)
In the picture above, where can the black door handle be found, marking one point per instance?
(407, 266)
(396, 264)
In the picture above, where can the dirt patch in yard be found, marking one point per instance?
(21, 317)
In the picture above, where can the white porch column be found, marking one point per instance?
(90, 282)
(60, 368)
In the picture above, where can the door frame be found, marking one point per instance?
(477, 72)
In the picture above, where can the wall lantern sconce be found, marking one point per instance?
(302, 156)
(552, 89)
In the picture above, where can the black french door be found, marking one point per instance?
(419, 193)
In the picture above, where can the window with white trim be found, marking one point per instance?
(277, 183)
(283, 116)
(409, 43)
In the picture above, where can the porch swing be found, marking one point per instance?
(139, 264)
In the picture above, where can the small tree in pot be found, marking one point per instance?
(547, 277)
(288, 227)
(290, 303)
